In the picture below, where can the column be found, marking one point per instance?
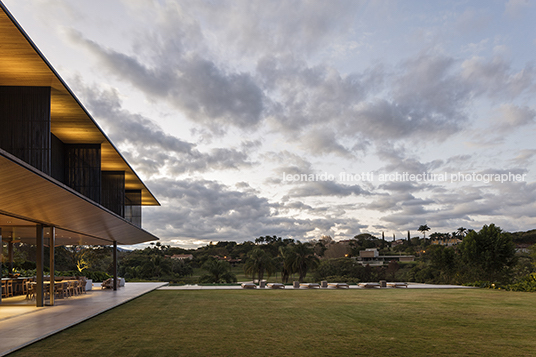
(1, 259)
(115, 264)
(40, 258)
(10, 256)
(51, 243)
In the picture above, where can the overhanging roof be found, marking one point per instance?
(35, 198)
(22, 64)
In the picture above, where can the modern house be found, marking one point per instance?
(372, 257)
(448, 242)
(182, 256)
(62, 181)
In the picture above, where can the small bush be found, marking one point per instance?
(95, 275)
(526, 284)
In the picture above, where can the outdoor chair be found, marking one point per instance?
(276, 286)
(369, 285)
(108, 284)
(248, 286)
(46, 290)
(82, 285)
(310, 285)
(60, 289)
(9, 288)
(30, 290)
(338, 285)
(69, 289)
(397, 285)
(24, 287)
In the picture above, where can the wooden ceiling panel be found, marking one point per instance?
(22, 64)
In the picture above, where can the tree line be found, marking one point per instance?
(486, 255)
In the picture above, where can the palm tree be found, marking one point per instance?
(302, 258)
(446, 238)
(462, 231)
(286, 255)
(423, 229)
(258, 263)
(218, 271)
(436, 237)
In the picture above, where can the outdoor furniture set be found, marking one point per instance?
(63, 287)
(325, 285)
(109, 283)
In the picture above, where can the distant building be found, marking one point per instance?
(182, 256)
(523, 247)
(372, 257)
(230, 260)
(397, 242)
(449, 242)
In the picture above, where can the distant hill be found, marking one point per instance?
(528, 237)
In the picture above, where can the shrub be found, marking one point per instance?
(526, 284)
(95, 275)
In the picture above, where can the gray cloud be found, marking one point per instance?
(511, 117)
(516, 8)
(467, 206)
(205, 92)
(397, 160)
(325, 188)
(525, 157)
(252, 27)
(426, 99)
(208, 210)
(153, 150)
(497, 79)
(287, 164)
(427, 94)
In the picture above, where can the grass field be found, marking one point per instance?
(389, 322)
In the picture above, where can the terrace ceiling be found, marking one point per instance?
(34, 198)
(22, 64)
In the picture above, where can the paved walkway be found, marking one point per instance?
(21, 325)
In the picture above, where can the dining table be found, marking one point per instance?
(17, 284)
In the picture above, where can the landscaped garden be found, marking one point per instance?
(386, 322)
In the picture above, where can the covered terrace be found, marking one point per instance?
(62, 181)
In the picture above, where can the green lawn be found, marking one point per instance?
(389, 322)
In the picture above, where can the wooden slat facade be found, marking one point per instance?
(83, 169)
(25, 119)
(113, 191)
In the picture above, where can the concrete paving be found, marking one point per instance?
(22, 324)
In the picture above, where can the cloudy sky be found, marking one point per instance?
(308, 118)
